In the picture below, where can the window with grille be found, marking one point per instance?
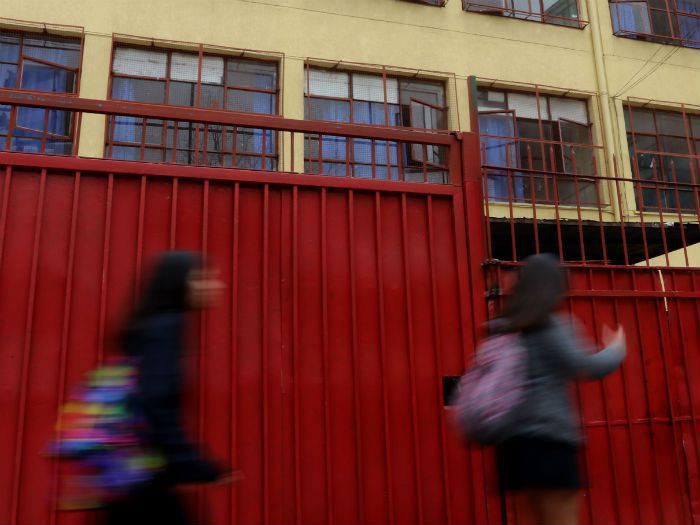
(438, 3)
(190, 79)
(38, 62)
(537, 148)
(664, 149)
(363, 98)
(666, 21)
(558, 12)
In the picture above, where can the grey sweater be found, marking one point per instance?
(557, 355)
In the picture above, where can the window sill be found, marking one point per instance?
(485, 9)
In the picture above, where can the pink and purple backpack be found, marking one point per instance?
(491, 394)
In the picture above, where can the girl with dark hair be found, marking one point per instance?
(541, 457)
(154, 336)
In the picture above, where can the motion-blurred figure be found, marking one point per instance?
(155, 337)
(541, 458)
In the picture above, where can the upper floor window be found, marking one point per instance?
(196, 80)
(38, 62)
(363, 98)
(537, 148)
(438, 3)
(664, 147)
(666, 21)
(558, 12)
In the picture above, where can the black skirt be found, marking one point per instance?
(528, 462)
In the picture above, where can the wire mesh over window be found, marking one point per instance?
(377, 100)
(38, 62)
(558, 12)
(664, 148)
(194, 80)
(537, 148)
(674, 22)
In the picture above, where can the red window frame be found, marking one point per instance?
(664, 182)
(72, 136)
(491, 7)
(169, 152)
(409, 159)
(673, 15)
(552, 155)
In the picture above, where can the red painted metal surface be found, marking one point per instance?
(348, 301)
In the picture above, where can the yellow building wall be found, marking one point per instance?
(446, 43)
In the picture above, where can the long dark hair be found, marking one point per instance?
(542, 284)
(165, 291)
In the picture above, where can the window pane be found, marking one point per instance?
(630, 17)
(154, 131)
(432, 93)
(58, 147)
(569, 109)
(646, 143)
(127, 129)
(250, 101)
(184, 66)
(57, 50)
(561, 8)
(648, 166)
(371, 88)
(182, 94)
(574, 132)
(327, 84)
(323, 109)
(139, 62)
(695, 126)
(9, 48)
(427, 117)
(126, 153)
(490, 100)
(670, 123)
(673, 144)
(212, 97)
(40, 77)
(525, 106)
(253, 74)
(661, 24)
(373, 113)
(8, 75)
(676, 169)
(138, 90)
(642, 120)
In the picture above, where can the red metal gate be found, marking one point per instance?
(348, 303)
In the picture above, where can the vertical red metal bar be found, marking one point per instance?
(623, 232)
(374, 159)
(205, 145)
(509, 180)
(295, 354)
(142, 142)
(640, 195)
(680, 214)
(42, 148)
(534, 200)
(198, 100)
(438, 357)
(3, 212)
(235, 265)
(26, 355)
(110, 144)
(628, 416)
(411, 356)
(326, 377)
(487, 210)
(139, 239)
(599, 206)
(379, 247)
(105, 269)
(265, 354)
(652, 434)
(662, 223)
(425, 162)
(578, 204)
(173, 214)
(355, 359)
(65, 336)
(557, 216)
(292, 168)
(606, 410)
(202, 384)
(665, 351)
(263, 163)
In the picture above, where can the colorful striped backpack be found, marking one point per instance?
(104, 439)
